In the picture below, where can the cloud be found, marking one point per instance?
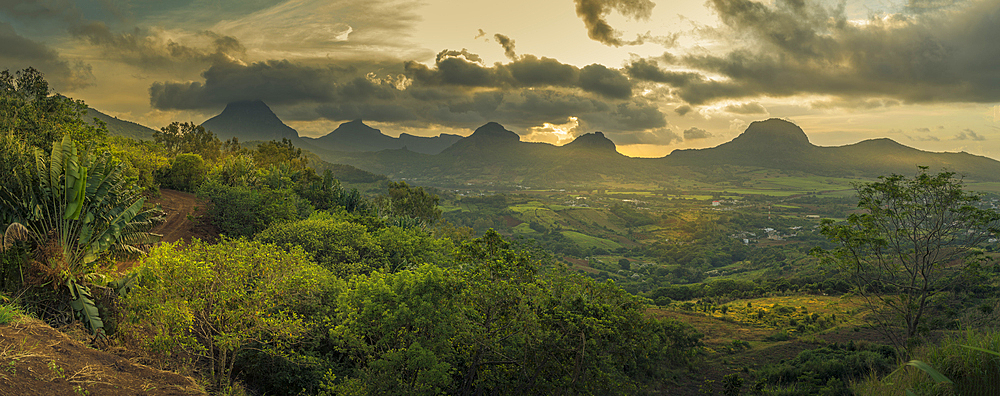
(599, 79)
(940, 55)
(19, 52)
(594, 13)
(457, 91)
(658, 136)
(924, 130)
(507, 44)
(746, 108)
(969, 134)
(150, 50)
(461, 68)
(923, 138)
(696, 133)
(682, 110)
(481, 34)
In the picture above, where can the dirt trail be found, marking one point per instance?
(178, 205)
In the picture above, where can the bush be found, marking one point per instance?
(343, 247)
(186, 173)
(245, 211)
(210, 302)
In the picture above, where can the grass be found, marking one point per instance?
(587, 241)
(973, 372)
(9, 312)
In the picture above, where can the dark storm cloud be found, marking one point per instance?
(18, 52)
(461, 68)
(746, 108)
(801, 47)
(594, 14)
(508, 45)
(696, 133)
(969, 134)
(276, 82)
(601, 80)
(148, 51)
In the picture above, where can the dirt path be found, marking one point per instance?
(178, 205)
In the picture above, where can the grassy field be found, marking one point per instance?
(587, 241)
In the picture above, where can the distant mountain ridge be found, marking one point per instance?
(779, 144)
(493, 154)
(356, 136)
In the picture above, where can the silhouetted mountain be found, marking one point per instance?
(356, 136)
(493, 154)
(119, 127)
(779, 144)
(249, 121)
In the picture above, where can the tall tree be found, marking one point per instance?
(911, 241)
(29, 111)
(189, 137)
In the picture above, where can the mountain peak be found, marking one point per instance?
(494, 131)
(773, 132)
(249, 120)
(593, 142)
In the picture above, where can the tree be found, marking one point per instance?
(214, 301)
(414, 202)
(912, 240)
(189, 138)
(29, 111)
(74, 210)
(271, 153)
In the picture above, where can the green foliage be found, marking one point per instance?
(74, 210)
(896, 251)
(400, 329)
(827, 369)
(403, 200)
(143, 162)
(187, 171)
(340, 246)
(212, 301)
(273, 153)
(33, 115)
(245, 211)
(965, 363)
(187, 137)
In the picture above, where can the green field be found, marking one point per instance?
(587, 241)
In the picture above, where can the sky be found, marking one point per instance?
(653, 75)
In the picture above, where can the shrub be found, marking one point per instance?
(186, 173)
(210, 302)
(245, 211)
(340, 246)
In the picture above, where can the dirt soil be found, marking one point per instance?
(179, 206)
(36, 359)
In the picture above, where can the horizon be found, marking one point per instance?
(653, 76)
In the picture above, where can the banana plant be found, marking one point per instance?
(74, 209)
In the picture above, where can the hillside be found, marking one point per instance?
(39, 360)
(120, 127)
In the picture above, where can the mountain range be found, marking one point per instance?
(493, 154)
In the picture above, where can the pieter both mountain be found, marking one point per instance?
(493, 154)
